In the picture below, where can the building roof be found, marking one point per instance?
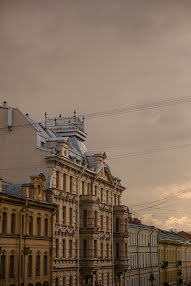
(173, 236)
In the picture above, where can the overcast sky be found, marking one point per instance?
(57, 56)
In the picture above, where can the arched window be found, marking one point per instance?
(4, 222)
(12, 266)
(2, 266)
(29, 265)
(45, 265)
(38, 265)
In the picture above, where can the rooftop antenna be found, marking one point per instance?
(74, 113)
(45, 118)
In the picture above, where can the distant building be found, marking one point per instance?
(174, 259)
(90, 227)
(143, 255)
(26, 234)
(185, 234)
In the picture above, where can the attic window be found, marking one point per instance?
(42, 145)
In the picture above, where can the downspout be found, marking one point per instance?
(113, 261)
(78, 225)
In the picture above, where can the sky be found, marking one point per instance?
(91, 56)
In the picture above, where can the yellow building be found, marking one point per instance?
(26, 238)
(174, 259)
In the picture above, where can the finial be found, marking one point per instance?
(60, 115)
(74, 113)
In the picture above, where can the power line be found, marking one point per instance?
(140, 107)
(150, 151)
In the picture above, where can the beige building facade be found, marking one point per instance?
(143, 256)
(26, 237)
(90, 227)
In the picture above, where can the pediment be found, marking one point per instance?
(105, 174)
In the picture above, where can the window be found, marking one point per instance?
(88, 186)
(84, 248)
(107, 249)
(95, 190)
(95, 248)
(57, 282)
(38, 265)
(101, 195)
(64, 248)
(57, 248)
(45, 265)
(57, 216)
(101, 221)
(57, 179)
(64, 182)
(101, 249)
(13, 222)
(108, 278)
(85, 218)
(64, 281)
(117, 224)
(38, 226)
(23, 221)
(11, 269)
(70, 248)
(29, 265)
(22, 265)
(117, 250)
(70, 216)
(95, 219)
(64, 215)
(2, 267)
(115, 199)
(126, 224)
(71, 184)
(30, 225)
(46, 227)
(4, 222)
(107, 223)
(107, 197)
(126, 250)
(83, 188)
(70, 281)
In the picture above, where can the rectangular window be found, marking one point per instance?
(108, 279)
(30, 225)
(102, 222)
(84, 248)
(4, 222)
(38, 265)
(64, 182)
(64, 281)
(57, 282)
(83, 188)
(57, 248)
(57, 215)
(95, 190)
(13, 223)
(45, 265)
(95, 248)
(117, 224)
(70, 216)
(2, 268)
(46, 227)
(57, 179)
(107, 197)
(107, 223)
(29, 265)
(11, 270)
(85, 218)
(23, 223)
(38, 226)
(71, 184)
(101, 195)
(64, 248)
(64, 215)
(70, 249)
(101, 249)
(107, 249)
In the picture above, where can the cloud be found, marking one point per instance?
(178, 223)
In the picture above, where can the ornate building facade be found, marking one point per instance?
(26, 221)
(90, 227)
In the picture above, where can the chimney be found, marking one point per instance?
(63, 148)
(25, 191)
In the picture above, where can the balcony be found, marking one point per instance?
(165, 264)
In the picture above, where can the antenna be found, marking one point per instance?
(74, 113)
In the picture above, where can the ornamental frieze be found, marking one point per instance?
(67, 197)
(105, 207)
(65, 230)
